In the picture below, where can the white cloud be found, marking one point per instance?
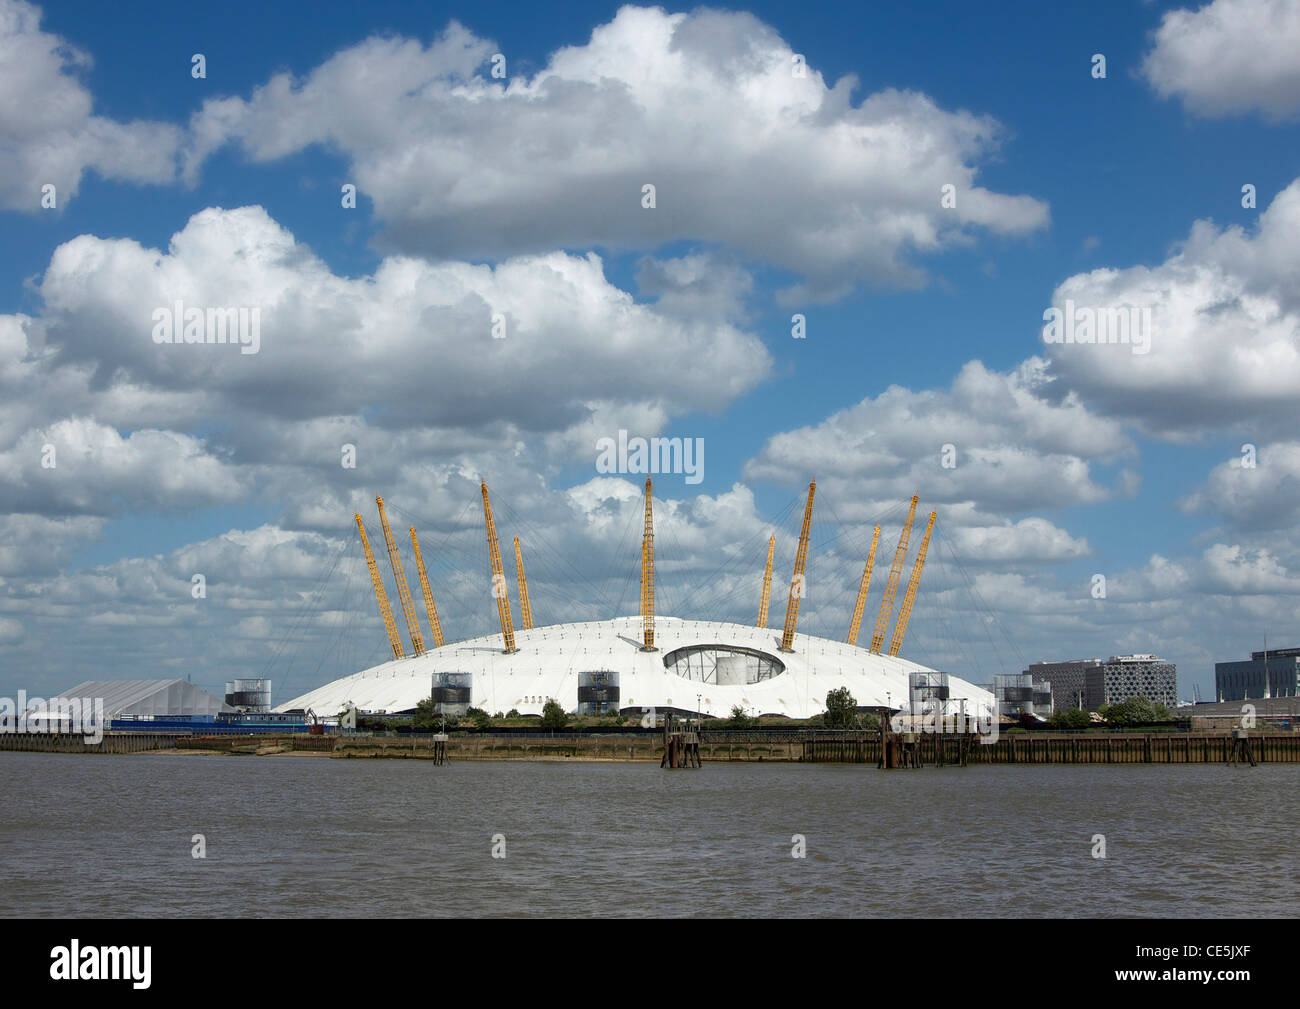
(1013, 449)
(414, 342)
(1030, 539)
(1230, 56)
(48, 131)
(11, 631)
(1225, 346)
(36, 545)
(98, 471)
(1238, 570)
(1260, 497)
(704, 106)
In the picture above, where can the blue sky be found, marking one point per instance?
(1120, 170)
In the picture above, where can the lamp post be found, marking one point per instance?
(699, 715)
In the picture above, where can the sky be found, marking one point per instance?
(862, 221)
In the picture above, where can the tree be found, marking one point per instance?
(512, 713)
(480, 718)
(425, 717)
(553, 716)
(841, 709)
(1069, 718)
(741, 719)
(1133, 711)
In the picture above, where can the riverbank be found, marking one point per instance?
(819, 747)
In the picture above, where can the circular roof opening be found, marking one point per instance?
(723, 665)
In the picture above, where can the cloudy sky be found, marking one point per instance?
(919, 186)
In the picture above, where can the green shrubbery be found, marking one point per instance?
(1069, 718)
(554, 717)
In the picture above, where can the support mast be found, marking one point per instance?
(499, 589)
(525, 607)
(891, 586)
(798, 586)
(648, 574)
(435, 625)
(381, 596)
(399, 576)
(767, 584)
(863, 586)
(905, 614)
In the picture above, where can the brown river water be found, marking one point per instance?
(95, 836)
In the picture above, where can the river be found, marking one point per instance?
(298, 836)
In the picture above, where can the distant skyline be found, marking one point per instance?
(437, 220)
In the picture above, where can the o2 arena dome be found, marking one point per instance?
(640, 662)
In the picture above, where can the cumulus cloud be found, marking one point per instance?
(1229, 57)
(1225, 330)
(11, 631)
(699, 285)
(1013, 447)
(48, 130)
(704, 106)
(416, 342)
(79, 465)
(1030, 539)
(1258, 491)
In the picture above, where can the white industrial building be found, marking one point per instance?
(133, 699)
(708, 666)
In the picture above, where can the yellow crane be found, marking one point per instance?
(399, 576)
(905, 614)
(435, 625)
(499, 589)
(891, 586)
(525, 608)
(381, 596)
(767, 584)
(798, 587)
(648, 574)
(863, 586)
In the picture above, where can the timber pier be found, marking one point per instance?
(693, 748)
(897, 750)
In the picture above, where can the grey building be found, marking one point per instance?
(1275, 673)
(1090, 683)
(1068, 680)
(1125, 676)
(1021, 694)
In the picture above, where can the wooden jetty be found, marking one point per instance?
(112, 742)
(681, 746)
(889, 750)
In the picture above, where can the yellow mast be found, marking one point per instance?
(381, 596)
(399, 576)
(435, 625)
(863, 586)
(797, 585)
(905, 614)
(648, 574)
(891, 586)
(499, 589)
(525, 608)
(767, 584)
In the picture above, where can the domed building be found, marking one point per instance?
(636, 663)
(600, 665)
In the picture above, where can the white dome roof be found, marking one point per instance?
(549, 660)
